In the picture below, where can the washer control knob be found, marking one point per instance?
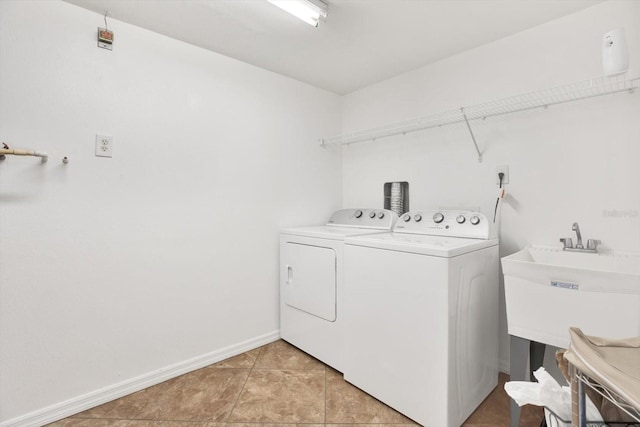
(438, 218)
(358, 213)
(461, 219)
(372, 214)
(474, 220)
(418, 217)
(380, 215)
(406, 218)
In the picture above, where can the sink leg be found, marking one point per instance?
(523, 350)
(536, 357)
(519, 349)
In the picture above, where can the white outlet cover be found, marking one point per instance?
(104, 145)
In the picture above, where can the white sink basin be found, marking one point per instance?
(547, 290)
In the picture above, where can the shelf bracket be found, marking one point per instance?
(473, 138)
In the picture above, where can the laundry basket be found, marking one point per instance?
(608, 368)
(551, 419)
(593, 418)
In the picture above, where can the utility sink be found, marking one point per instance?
(548, 290)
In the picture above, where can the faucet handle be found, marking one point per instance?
(593, 244)
(567, 242)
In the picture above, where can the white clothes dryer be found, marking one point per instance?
(311, 280)
(422, 315)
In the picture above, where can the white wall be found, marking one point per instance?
(113, 270)
(568, 163)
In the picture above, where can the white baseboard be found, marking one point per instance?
(98, 397)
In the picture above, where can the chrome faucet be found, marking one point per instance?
(575, 227)
(592, 244)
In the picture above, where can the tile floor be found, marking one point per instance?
(271, 386)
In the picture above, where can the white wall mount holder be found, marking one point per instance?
(615, 55)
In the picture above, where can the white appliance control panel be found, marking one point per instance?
(467, 224)
(382, 219)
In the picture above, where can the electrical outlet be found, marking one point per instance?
(104, 145)
(505, 171)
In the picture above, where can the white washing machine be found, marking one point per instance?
(311, 280)
(422, 315)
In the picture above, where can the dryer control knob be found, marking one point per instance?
(474, 220)
(380, 215)
(372, 214)
(406, 218)
(417, 217)
(358, 213)
(438, 218)
(461, 219)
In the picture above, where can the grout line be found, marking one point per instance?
(325, 395)
(283, 423)
(127, 422)
(283, 369)
(244, 385)
(312, 423)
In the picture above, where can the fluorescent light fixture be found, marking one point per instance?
(310, 11)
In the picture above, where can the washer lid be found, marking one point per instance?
(380, 219)
(349, 222)
(439, 246)
(330, 232)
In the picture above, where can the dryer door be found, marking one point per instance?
(309, 279)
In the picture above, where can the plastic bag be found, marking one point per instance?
(548, 393)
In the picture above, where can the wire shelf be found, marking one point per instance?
(579, 404)
(539, 99)
(554, 420)
(611, 396)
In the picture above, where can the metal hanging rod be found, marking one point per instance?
(539, 99)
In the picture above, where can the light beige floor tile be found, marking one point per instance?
(370, 425)
(494, 409)
(244, 360)
(282, 355)
(144, 423)
(274, 425)
(347, 404)
(203, 395)
(272, 398)
(281, 396)
(89, 422)
(502, 424)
